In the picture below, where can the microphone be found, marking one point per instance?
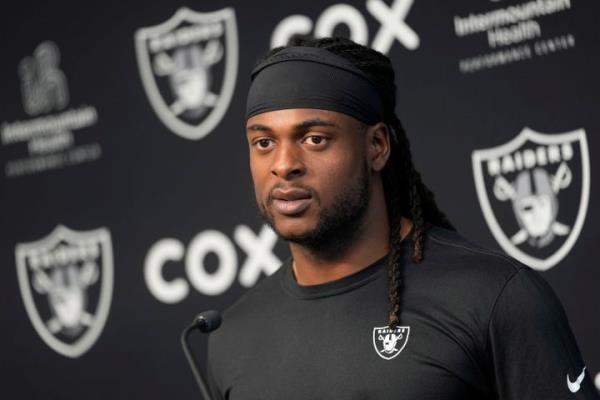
(205, 322)
(208, 321)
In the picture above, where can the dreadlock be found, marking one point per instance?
(405, 193)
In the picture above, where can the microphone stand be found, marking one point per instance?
(192, 361)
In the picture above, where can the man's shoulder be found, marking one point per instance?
(461, 279)
(459, 252)
(451, 259)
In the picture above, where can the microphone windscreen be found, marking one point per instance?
(208, 321)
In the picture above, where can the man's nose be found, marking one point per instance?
(288, 162)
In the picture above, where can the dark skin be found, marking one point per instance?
(301, 159)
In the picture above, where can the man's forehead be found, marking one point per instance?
(298, 118)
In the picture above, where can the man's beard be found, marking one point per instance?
(339, 225)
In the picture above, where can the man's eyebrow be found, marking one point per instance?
(309, 123)
(304, 125)
(258, 127)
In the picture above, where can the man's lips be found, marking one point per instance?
(290, 201)
(290, 194)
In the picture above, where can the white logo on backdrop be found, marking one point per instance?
(189, 67)
(258, 248)
(50, 133)
(391, 19)
(389, 342)
(534, 193)
(66, 281)
(515, 32)
(43, 84)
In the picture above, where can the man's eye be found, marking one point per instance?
(263, 143)
(316, 139)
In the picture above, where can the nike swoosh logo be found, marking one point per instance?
(575, 386)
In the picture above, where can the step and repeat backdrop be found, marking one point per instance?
(127, 205)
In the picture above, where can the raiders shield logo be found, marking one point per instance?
(534, 193)
(66, 281)
(189, 67)
(389, 342)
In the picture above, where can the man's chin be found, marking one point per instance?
(294, 233)
(299, 229)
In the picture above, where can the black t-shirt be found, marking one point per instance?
(474, 325)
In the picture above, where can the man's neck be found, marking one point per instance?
(371, 244)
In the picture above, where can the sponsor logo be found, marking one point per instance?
(534, 193)
(512, 33)
(576, 385)
(49, 133)
(210, 280)
(66, 281)
(188, 66)
(393, 26)
(389, 342)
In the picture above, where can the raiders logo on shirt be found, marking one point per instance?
(389, 342)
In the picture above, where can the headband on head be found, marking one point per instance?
(309, 77)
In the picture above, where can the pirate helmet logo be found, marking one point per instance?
(66, 281)
(534, 193)
(389, 342)
(188, 66)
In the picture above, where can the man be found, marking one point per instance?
(381, 299)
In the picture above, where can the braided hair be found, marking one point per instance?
(405, 193)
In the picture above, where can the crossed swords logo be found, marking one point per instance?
(389, 342)
(189, 76)
(535, 208)
(66, 288)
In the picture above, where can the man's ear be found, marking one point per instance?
(378, 145)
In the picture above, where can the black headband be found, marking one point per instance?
(308, 77)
